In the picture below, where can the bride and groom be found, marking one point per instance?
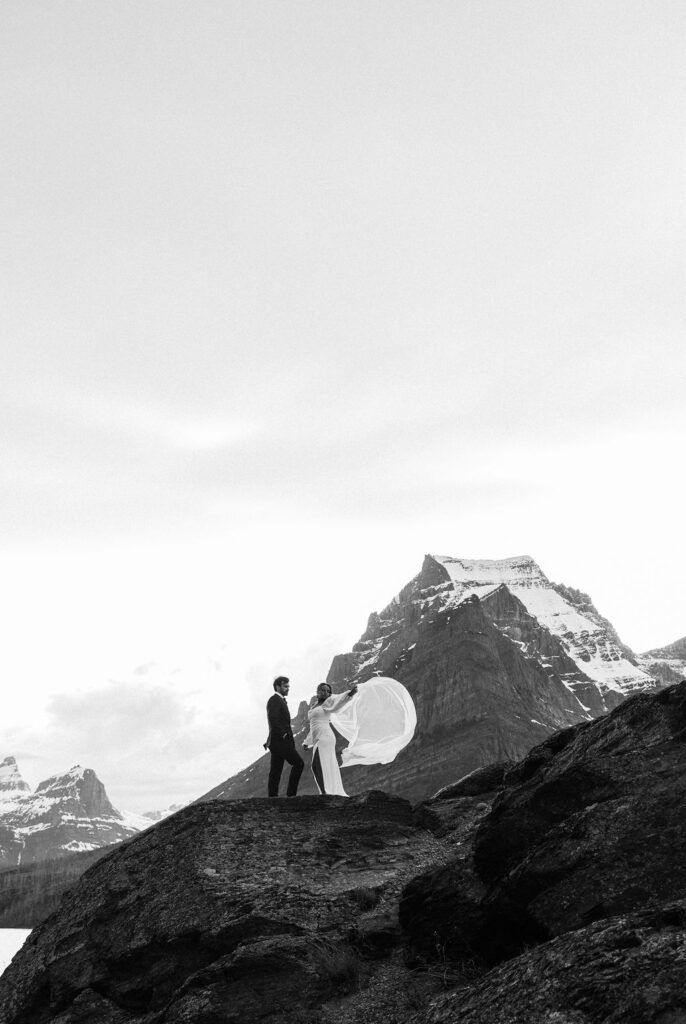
(376, 718)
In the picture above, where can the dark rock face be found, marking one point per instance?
(481, 780)
(229, 911)
(589, 826)
(624, 970)
(489, 678)
(567, 844)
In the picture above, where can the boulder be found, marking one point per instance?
(623, 970)
(589, 826)
(227, 911)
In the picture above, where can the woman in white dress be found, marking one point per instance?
(322, 739)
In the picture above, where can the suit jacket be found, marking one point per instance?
(279, 721)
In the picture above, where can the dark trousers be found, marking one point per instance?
(284, 752)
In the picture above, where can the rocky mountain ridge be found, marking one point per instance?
(12, 785)
(547, 891)
(67, 813)
(164, 813)
(495, 657)
(444, 582)
(668, 664)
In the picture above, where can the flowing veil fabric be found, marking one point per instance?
(377, 724)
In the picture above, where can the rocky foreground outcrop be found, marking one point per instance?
(226, 911)
(550, 891)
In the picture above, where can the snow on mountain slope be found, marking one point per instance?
(585, 634)
(12, 786)
(66, 813)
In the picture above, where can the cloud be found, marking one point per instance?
(149, 744)
(173, 428)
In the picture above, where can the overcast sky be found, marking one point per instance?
(295, 291)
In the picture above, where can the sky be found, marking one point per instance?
(293, 292)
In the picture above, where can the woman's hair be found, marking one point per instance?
(327, 686)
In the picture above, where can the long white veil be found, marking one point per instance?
(377, 724)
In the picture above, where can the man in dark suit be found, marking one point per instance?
(280, 742)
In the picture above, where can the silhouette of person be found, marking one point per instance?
(280, 742)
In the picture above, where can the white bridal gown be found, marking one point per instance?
(377, 723)
(323, 741)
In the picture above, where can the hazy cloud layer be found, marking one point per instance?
(146, 743)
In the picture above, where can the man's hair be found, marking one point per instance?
(279, 680)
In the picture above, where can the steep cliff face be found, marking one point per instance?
(495, 657)
(549, 890)
(582, 869)
(65, 814)
(588, 640)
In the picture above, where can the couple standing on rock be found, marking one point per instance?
(321, 739)
(376, 719)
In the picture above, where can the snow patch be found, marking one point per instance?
(587, 642)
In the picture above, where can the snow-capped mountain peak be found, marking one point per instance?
(568, 614)
(520, 570)
(67, 812)
(80, 790)
(12, 786)
(11, 782)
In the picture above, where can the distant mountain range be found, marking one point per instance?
(668, 664)
(49, 837)
(68, 813)
(496, 658)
